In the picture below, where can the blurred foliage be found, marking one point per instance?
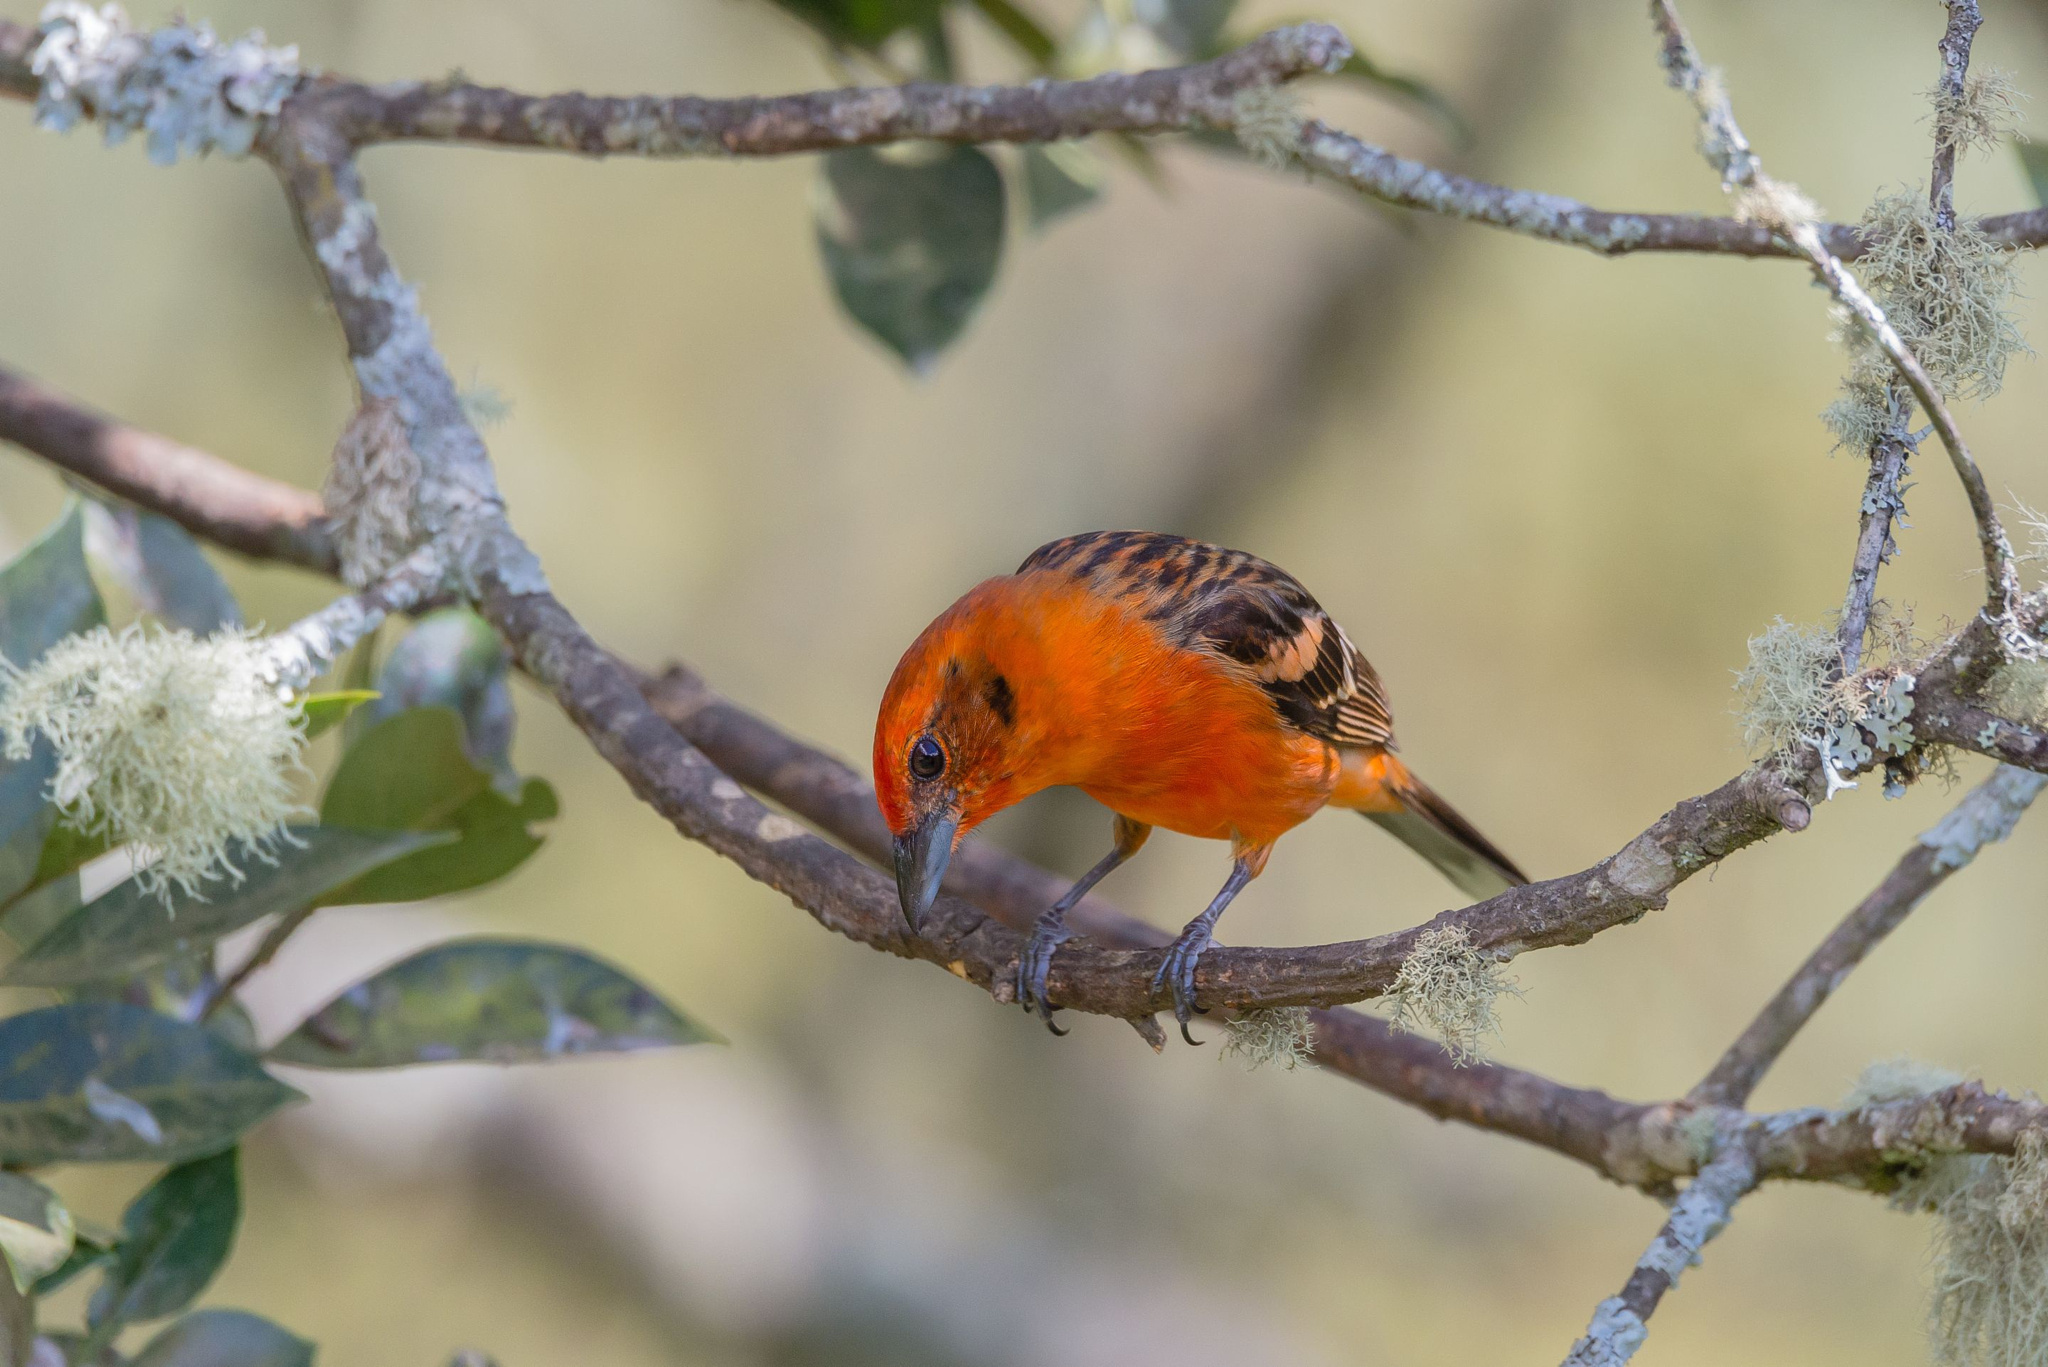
(147, 1059)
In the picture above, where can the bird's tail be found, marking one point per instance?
(1383, 789)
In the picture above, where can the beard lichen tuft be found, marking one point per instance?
(1980, 117)
(1897, 1079)
(166, 742)
(1787, 689)
(1988, 1305)
(1949, 295)
(1279, 1035)
(1447, 988)
(1267, 121)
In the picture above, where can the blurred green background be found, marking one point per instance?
(1550, 495)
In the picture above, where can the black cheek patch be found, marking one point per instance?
(1001, 700)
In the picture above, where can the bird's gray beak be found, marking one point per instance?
(922, 854)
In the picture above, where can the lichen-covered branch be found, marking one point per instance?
(1782, 209)
(1620, 1323)
(1984, 816)
(1166, 101)
(294, 657)
(1963, 22)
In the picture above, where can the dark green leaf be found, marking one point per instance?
(47, 593)
(911, 238)
(224, 1338)
(502, 1001)
(36, 1233)
(1030, 36)
(174, 1238)
(410, 772)
(326, 710)
(452, 659)
(56, 890)
(1432, 101)
(863, 24)
(25, 817)
(101, 1081)
(1191, 29)
(162, 567)
(2034, 161)
(127, 929)
(1058, 179)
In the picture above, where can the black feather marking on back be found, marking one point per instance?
(1247, 611)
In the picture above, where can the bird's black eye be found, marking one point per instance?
(926, 758)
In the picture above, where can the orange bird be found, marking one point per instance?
(1177, 683)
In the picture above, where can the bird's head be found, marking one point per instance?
(951, 747)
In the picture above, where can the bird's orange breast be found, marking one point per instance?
(1166, 734)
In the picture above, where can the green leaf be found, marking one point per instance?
(454, 659)
(864, 24)
(101, 1081)
(1059, 178)
(224, 1338)
(911, 238)
(47, 593)
(1432, 101)
(162, 567)
(323, 711)
(36, 1231)
(25, 817)
(55, 890)
(501, 1001)
(1030, 36)
(2034, 161)
(410, 773)
(127, 929)
(174, 1237)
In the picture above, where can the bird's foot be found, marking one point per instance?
(1036, 961)
(1177, 971)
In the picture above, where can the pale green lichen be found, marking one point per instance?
(1278, 1036)
(1982, 117)
(1787, 690)
(371, 484)
(1897, 1079)
(1448, 989)
(1793, 695)
(1267, 121)
(166, 742)
(2018, 691)
(1988, 1304)
(485, 405)
(1950, 297)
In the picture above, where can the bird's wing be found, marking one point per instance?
(1246, 610)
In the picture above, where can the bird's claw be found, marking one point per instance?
(1177, 971)
(1036, 962)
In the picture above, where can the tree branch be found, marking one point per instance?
(1778, 205)
(206, 495)
(1172, 100)
(1620, 1322)
(1984, 816)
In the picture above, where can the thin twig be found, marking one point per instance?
(1723, 144)
(1963, 21)
(266, 950)
(1883, 501)
(1620, 1323)
(1984, 816)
